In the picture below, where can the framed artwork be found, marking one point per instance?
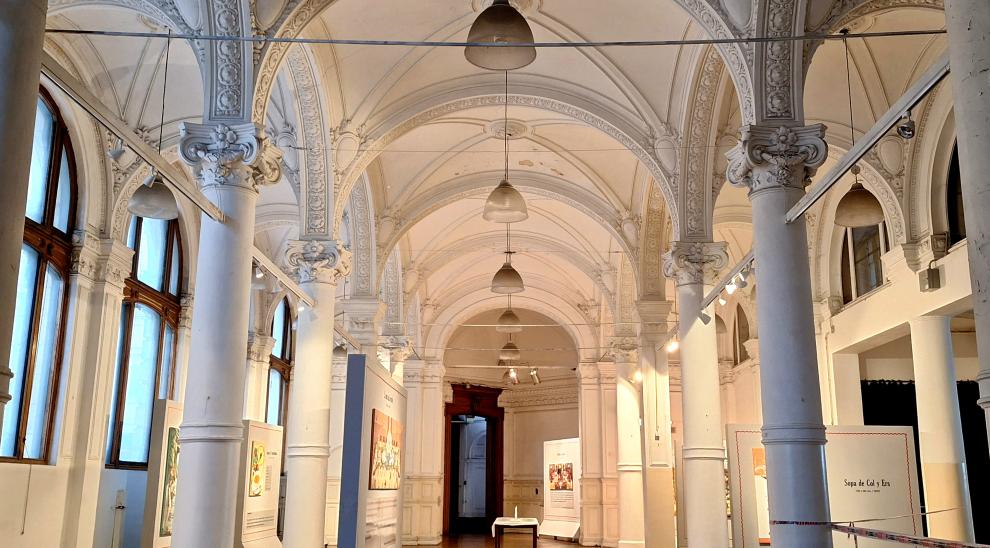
(257, 469)
(386, 452)
(561, 477)
(169, 482)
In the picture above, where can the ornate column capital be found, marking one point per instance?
(624, 349)
(695, 262)
(238, 154)
(318, 261)
(362, 317)
(259, 347)
(776, 157)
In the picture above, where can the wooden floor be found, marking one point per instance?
(511, 540)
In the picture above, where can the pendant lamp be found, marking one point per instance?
(500, 23)
(153, 200)
(507, 280)
(509, 352)
(508, 322)
(505, 205)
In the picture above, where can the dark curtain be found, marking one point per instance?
(893, 403)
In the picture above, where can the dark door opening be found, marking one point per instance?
(473, 479)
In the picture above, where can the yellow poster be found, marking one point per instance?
(257, 469)
(386, 452)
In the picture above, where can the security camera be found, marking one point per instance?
(906, 127)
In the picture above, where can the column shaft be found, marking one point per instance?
(968, 22)
(702, 452)
(308, 429)
(211, 430)
(793, 431)
(632, 521)
(943, 458)
(22, 32)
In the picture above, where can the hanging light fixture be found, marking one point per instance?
(859, 207)
(505, 204)
(508, 322)
(510, 352)
(153, 200)
(507, 280)
(500, 23)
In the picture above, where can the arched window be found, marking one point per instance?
(146, 348)
(281, 363)
(954, 200)
(862, 269)
(39, 313)
(740, 334)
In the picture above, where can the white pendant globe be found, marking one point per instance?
(505, 205)
(508, 322)
(509, 352)
(507, 281)
(153, 200)
(500, 23)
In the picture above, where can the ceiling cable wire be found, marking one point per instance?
(548, 45)
(161, 126)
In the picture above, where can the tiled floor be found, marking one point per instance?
(512, 540)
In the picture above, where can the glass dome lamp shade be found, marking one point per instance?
(500, 23)
(507, 280)
(510, 352)
(858, 208)
(505, 205)
(508, 322)
(153, 200)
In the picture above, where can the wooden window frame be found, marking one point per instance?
(283, 363)
(848, 262)
(54, 248)
(168, 307)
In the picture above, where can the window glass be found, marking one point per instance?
(64, 195)
(26, 279)
(140, 390)
(41, 151)
(278, 330)
(165, 382)
(173, 276)
(954, 200)
(866, 254)
(151, 253)
(44, 364)
(132, 232)
(124, 322)
(273, 413)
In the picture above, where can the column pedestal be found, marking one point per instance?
(317, 265)
(943, 457)
(968, 22)
(22, 33)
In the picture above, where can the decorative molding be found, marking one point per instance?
(240, 154)
(318, 193)
(775, 61)
(185, 311)
(363, 237)
(229, 71)
(391, 293)
(695, 180)
(773, 157)
(318, 261)
(543, 395)
(695, 262)
(259, 347)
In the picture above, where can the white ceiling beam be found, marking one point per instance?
(176, 180)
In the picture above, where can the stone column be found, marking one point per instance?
(968, 22)
(609, 448)
(317, 266)
(658, 458)
(694, 266)
(776, 163)
(943, 458)
(632, 522)
(211, 432)
(22, 33)
(592, 453)
(423, 499)
(96, 286)
(338, 391)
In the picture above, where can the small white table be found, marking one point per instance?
(501, 524)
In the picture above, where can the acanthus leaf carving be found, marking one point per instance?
(316, 261)
(771, 157)
(695, 262)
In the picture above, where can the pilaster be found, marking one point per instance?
(259, 350)
(423, 492)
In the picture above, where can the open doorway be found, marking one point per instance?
(473, 494)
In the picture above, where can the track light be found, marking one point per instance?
(705, 318)
(514, 376)
(721, 300)
(638, 376)
(731, 287)
(672, 346)
(742, 282)
(258, 272)
(300, 307)
(535, 376)
(906, 127)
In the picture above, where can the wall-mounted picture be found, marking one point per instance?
(386, 452)
(169, 481)
(561, 477)
(257, 469)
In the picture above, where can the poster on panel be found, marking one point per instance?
(872, 473)
(561, 488)
(261, 470)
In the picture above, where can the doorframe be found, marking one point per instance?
(479, 401)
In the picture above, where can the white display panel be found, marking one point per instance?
(163, 470)
(561, 488)
(260, 470)
(872, 473)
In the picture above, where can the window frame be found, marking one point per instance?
(169, 308)
(54, 248)
(847, 264)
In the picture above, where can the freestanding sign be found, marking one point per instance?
(261, 471)
(872, 473)
(561, 488)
